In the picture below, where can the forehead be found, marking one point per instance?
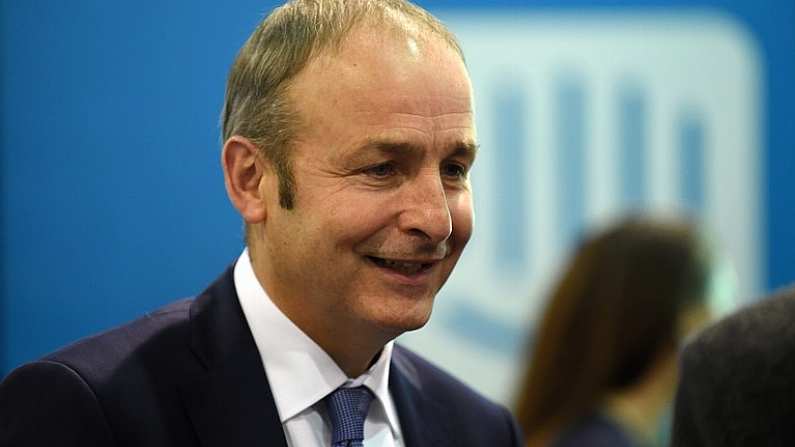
(374, 72)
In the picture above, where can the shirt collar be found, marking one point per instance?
(300, 373)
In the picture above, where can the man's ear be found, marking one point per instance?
(243, 171)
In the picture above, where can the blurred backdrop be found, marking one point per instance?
(112, 200)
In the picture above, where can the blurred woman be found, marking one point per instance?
(604, 366)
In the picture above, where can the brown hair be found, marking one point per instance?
(256, 104)
(615, 308)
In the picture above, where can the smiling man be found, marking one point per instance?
(348, 140)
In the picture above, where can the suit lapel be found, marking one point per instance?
(231, 403)
(422, 420)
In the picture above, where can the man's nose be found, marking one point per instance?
(426, 211)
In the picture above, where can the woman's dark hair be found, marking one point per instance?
(616, 307)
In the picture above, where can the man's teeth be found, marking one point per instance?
(403, 267)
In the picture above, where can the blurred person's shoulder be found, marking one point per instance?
(736, 379)
(756, 332)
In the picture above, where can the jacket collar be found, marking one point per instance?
(423, 421)
(230, 404)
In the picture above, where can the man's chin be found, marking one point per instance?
(395, 326)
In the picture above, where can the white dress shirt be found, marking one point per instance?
(301, 374)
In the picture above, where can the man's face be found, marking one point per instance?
(383, 205)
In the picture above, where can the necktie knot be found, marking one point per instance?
(347, 409)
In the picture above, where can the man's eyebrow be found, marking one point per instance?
(467, 149)
(392, 147)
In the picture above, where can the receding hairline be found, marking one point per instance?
(336, 21)
(397, 24)
(399, 17)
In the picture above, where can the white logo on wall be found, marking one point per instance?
(581, 118)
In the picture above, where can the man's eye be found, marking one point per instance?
(454, 170)
(381, 170)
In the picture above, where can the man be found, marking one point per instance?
(737, 380)
(349, 134)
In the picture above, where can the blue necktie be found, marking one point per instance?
(347, 409)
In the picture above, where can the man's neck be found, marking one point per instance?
(352, 347)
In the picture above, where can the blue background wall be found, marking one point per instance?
(111, 196)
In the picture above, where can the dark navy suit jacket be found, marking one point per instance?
(190, 374)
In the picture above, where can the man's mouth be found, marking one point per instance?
(402, 267)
